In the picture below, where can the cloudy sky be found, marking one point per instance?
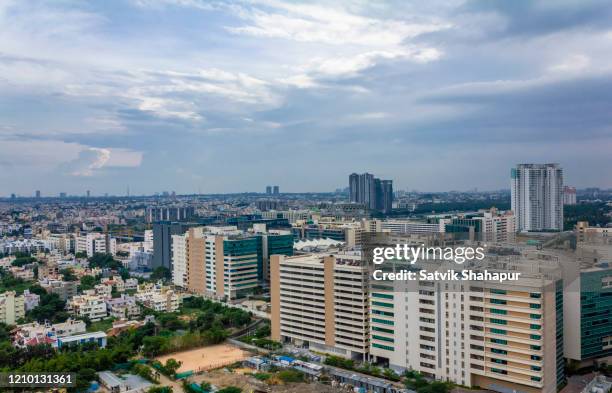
(215, 96)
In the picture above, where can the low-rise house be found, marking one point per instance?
(30, 300)
(36, 333)
(158, 297)
(123, 307)
(94, 337)
(104, 290)
(64, 289)
(24, 272)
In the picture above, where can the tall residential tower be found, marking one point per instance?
(537, 197)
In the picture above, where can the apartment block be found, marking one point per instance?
(94, 243)
(88, 305)
(12, 307)
(537, 196)
(179, 260)
(321, 301)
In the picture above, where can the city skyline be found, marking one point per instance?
(212, 97)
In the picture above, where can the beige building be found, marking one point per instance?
(12, 307)
(320, 301)
(505, 337)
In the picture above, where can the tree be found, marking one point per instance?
(172, 366)
(161, 273)
(88, 282)
(230, 389)
(68, 275)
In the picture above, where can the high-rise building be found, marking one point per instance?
(62, 195)
(276, 190)
(320, 300)
(37, 193)
(498, 336)
(179, 260)
(569, 195)
(537, 197)
(372, 192)
(162, 241)
(88, 193)
(268, 190)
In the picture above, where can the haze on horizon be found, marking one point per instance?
(230, 96)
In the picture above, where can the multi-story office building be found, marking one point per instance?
(222, 262)
(276, 190)
(225, 262)
(169, 213)
(569, 195)
(320, 301)
(12, 307)
(162, 241)
(95, 243)
(374, 193)
(348, 232)
(486, 226)
(537, 197)
(588, 300)
(268, 190)
(498, 336)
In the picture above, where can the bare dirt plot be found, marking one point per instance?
(248, 383)
(206, 358)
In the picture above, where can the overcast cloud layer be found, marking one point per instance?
(200, 95)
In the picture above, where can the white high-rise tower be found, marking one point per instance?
(537, 197)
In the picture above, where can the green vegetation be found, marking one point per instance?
(262, 376)
(104, 261)
(8, 282)
(415, 381)
(22, 261)
(230, 389)
(160, 389)
(259, 339)
(364, 368)
(290, 375)
(594, 213)
(161, 273)
(68, 275)
(337, 361)
(169, 369)
(88, 282)
(50, 308)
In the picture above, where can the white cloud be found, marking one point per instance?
(573, 63)
(92, 159)
(327, 25)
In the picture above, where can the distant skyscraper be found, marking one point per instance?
(88, 193)
(37, 193)
(537, 196)
(569, 195)
(376, 194)
(276, 190)
(269, 190)
(62, 195)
